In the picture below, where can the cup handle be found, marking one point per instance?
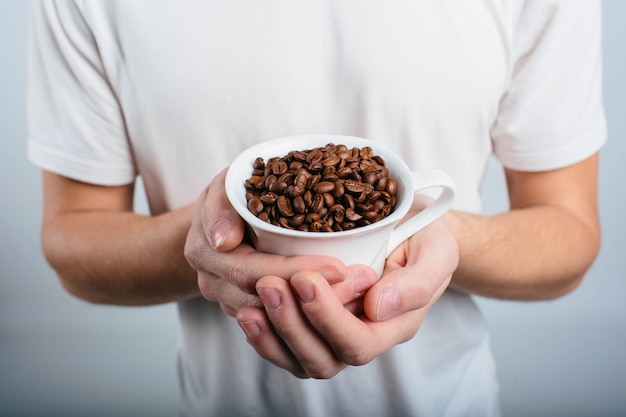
(423, 180)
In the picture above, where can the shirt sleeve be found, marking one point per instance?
(552, 114)
(76, 126)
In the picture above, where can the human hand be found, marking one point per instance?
(229, 268)
(305, 328)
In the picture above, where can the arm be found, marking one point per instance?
(105, 253)
(542, 247)
(539, 249)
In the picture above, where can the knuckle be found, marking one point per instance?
(422, 297)
(238, 275)
(322, 372)
(300, 374)
(228, 310)
(193, 251)
(357, 356)
(208, 289)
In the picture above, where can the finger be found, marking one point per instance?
(347, 335)
(244, 266)
(230, 297)
(358, 280)
(354, 341)
(262, 337)
(222, 226)
(282, 308)
(415, 274)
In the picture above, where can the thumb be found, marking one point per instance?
(402, 291)
(222, 226)
(418, 274)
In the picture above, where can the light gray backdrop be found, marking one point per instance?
(62, 357)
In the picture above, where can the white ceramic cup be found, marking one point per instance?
(369, 245)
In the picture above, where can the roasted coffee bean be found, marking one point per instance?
(297, 220)
(366, 152)
(314, 156)
(298, 205)
(278, 187)
(370, 167)
(332, 160)
(296, 190)
(308, 198)
(385, 196)
(253, 181)
(314, 179)
(329, 200)
(362, 197)
(353, 215)
(345, 172)
(286, 177)
(354, 187)
(255, 205)
(301, 179)
(317, 203)
(370, 178)
(348, 225)
(268, 198)
(381, 184)
(258, 163)
(298, 156)
(356, 176)
(348, 201)
(329, 173)
(316, 167)
(339, 189)
(284, 222)
(323, 187)
(372, 216)
(316, 226)
(279, 168)
(284, 206)
(362, 208)
(338, 212)
(326, 189)
(392, 186)
(269, 180)
(312, 217)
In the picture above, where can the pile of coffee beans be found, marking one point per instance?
(325, 189)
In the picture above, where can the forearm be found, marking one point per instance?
(118, 257)
(534, 253)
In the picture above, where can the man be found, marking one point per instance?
(173, 91)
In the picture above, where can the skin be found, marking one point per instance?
(314, 316)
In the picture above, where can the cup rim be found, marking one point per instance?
(241, 169)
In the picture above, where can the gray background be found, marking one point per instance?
(62, 356)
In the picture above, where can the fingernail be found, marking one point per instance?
(388, 302)
(220, 230)
(362, 282)
(304, 290)
(332, 274)
(270, 297)
(251, 328)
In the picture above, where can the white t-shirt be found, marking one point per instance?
(173, 91)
